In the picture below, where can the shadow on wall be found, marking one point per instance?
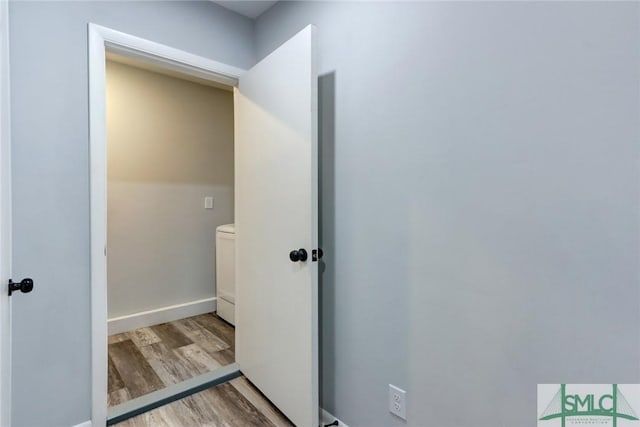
(326, 223)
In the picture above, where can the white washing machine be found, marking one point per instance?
(226, 272)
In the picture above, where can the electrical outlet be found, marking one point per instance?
(208, 202)
(397, 402)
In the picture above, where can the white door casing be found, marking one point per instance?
(276, 212)
(5, 219)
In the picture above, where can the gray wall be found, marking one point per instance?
(49, 85)
(170, 144)
(503, 137)
(479, 202)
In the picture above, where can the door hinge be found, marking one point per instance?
(316, 255)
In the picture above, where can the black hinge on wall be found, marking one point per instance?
(25, 286)
(316, 254)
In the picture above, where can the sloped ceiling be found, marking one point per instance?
(251, 9)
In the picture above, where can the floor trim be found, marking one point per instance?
(156, 316)
(174, 392)
(327, 418)
(84, 424)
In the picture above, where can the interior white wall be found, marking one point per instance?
(480, 202)
(169, 145)
(50, 159)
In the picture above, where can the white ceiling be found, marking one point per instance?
(251, 9)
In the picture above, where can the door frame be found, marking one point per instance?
(5, 219)
(101, 41)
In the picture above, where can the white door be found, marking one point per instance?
(276, 213)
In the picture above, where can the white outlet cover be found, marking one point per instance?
(208, 202)
(397, 402)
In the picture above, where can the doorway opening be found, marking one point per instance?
(275, 156)
(155, 253)
(169, 192)
(171, 249)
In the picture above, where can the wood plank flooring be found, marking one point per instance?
(149, 359)
(236, 403)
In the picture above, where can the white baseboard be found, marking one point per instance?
(84, 424)
(327, 418)
(160, 315)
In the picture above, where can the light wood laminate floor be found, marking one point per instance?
(150, 359)
(236, 403)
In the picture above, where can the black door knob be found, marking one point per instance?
(299, 255)
(25, 286)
